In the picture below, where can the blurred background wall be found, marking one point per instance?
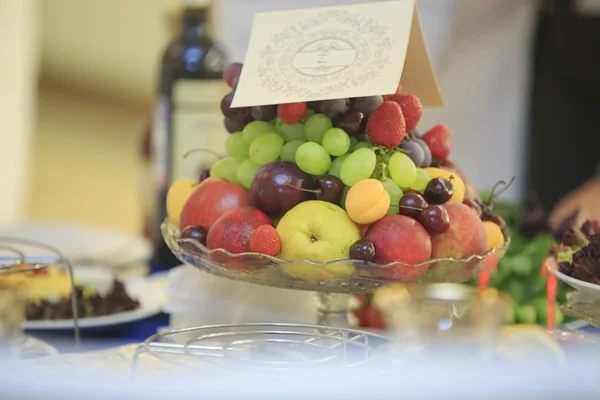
(109, 47)
(98, 62)
(18, 49)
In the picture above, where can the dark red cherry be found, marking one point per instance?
(438, 191)
(362, 250)
(329, 189)
(412, 205)
(435, 219)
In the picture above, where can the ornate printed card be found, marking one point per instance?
(337, 52)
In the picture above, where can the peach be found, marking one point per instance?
(495, 238)
(466, 235)
(459, 186)
(367, 201)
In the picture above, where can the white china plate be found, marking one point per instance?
(590, 289)
(84, 245)
(149, 291)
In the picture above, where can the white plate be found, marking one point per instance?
(85, 245)
(590, 289)
(582, 286)
(33, 348)
(149, 291)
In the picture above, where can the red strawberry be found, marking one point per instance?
(265, 240)
(438, 140)
(386, 126)
(291, 113)
(412, 109)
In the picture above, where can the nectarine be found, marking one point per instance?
(400, 238)
(232, 230)
(367, 201)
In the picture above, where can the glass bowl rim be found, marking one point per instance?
(166, 226)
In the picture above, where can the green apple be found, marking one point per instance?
(318, 231)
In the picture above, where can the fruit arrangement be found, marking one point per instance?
(518, 274)
(334, 189)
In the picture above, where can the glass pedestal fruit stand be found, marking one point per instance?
(333, 294)
(332, 190)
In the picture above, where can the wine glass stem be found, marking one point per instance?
(333, 309)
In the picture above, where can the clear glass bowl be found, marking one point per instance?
(445, 317)
(340, 276)
(583, 306)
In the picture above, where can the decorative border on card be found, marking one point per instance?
(303, 55)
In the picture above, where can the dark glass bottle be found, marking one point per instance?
(187, 114)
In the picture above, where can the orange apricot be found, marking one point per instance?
(367, 201)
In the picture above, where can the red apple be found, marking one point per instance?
(213, 198)
(233, 229)
(400, 238)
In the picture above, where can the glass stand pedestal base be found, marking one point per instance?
(333, 309)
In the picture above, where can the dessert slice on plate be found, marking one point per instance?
(52, 282)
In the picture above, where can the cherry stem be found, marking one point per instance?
(288, 183)
(202, 151)
(495, 192)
